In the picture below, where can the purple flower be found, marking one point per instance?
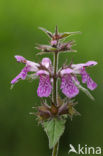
(30, 66)
(22, 75)
(68, 87)
(69, 77)
(45, 87)
(43, 70)
(80, 69)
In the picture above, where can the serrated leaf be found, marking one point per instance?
(54, 128)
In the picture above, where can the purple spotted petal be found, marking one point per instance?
(84, 75)
(20, 58)
(87, 79)
(91, 84)
(68, 87)
(22, 75)
(44, 88)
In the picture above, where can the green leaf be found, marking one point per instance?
(54, 128)
(46, 32)
(67, 34)
(84, 90)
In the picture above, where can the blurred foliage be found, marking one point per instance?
(19, 19)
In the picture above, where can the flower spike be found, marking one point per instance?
(53, 111)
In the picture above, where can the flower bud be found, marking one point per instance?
(53, 43)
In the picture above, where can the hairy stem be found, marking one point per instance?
(55, 149)
(55, 79)
(54, 96)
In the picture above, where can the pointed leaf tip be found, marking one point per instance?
(48, 33)
(54, 128)
(67, 34)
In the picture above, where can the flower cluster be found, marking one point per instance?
(49, 74)
(67, 75)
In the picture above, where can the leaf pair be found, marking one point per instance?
(60, 35)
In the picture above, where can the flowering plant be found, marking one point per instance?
(53, 115)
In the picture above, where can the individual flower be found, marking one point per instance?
(69, 78)
(80, 69)
(29, 67)
(45, 87)
(42, 70)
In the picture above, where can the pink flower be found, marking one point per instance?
(80, 69)
(68, 87)
(29, 67)
(45, 87)
(69, 76)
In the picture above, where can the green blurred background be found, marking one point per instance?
(20, 134)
